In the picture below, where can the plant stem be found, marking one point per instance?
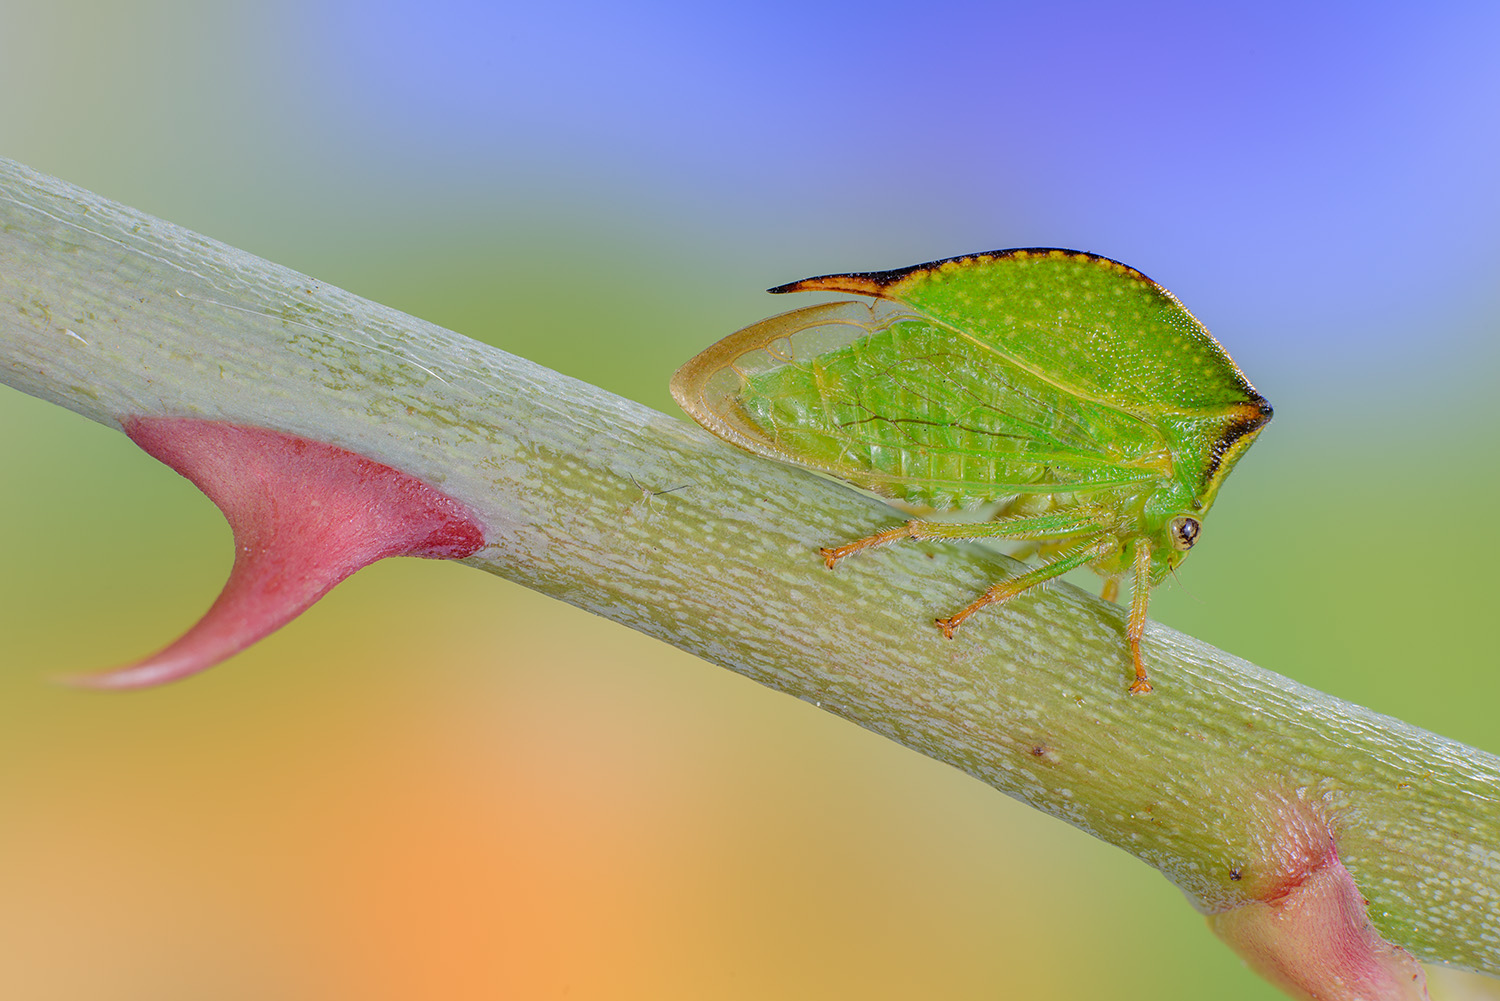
(112, 313)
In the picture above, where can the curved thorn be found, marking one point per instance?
(305, 515)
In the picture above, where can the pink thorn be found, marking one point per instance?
(305, 515)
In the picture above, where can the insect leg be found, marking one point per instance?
(1038, 526)
(1140, 591)
(1042, 526)
(833, 554)
(1069, 559)
(1111, 592)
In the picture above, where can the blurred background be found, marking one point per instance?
(438, 785)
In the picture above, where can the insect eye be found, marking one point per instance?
(1184, 532)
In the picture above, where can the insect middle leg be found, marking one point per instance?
(1069, 559)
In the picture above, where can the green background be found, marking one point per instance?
(436, 784)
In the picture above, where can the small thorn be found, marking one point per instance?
(1299, 918)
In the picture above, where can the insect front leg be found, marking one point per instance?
(1140, 591)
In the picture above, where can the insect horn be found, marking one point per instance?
(863, 283)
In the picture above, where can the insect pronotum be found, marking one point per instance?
(1073, 391)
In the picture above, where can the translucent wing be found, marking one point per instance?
(884, 397)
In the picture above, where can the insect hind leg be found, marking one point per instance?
(832, 554)
(1027, 528)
